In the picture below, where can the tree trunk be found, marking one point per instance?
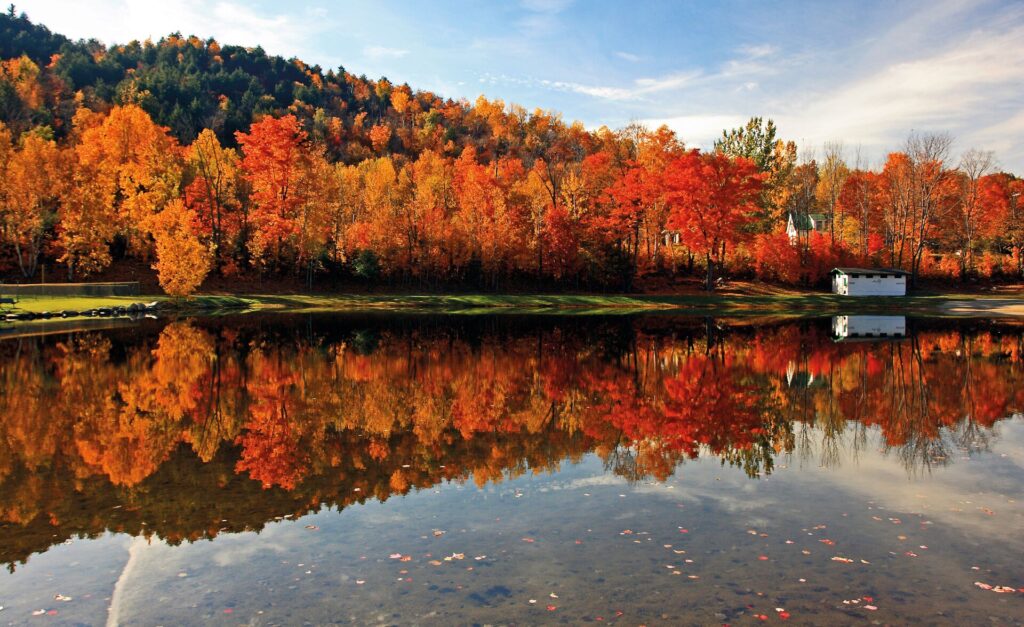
(708, 282)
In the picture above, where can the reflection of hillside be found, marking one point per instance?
(195, 429)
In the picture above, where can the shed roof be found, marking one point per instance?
(882, 271)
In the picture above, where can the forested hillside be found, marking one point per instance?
(196, 157)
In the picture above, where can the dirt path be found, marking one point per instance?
(985, 307)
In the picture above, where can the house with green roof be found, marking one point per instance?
(800, 225)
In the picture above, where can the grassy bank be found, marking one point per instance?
(716, 304)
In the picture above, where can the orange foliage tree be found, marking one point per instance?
(711, 198)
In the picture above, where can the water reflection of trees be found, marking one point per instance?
(201, 428)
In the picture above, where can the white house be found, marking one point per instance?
(868, 282)
(864, 327)
(800, 225)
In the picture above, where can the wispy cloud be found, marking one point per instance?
(638, 90)
(668, 82)
(953, 88)
(383, 52)
(871, 94)
(757, 51)
(628, 56)
(546, 6)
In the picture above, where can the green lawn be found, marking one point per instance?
(78, 303)
(717, 304)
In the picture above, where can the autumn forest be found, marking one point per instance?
(196, 158)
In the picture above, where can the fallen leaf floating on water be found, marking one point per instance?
(438, 532)
(998, 589)
(395, 556)
(844, 560)
(552, 608)
(312, 527)
(61, 597)
(38, 612)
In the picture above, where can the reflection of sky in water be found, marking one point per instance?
(599, 544)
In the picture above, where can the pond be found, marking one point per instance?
(422, 469)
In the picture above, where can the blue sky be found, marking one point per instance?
(864, 73)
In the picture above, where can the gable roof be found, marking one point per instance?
(881, 271)
(801, 221)
(806, 221)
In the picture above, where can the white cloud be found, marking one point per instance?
(698, 130)
(383, 52)
(640, 88)
(597, 91)
(871, 93)
(628, 56)
(119, 21)
(956, 88)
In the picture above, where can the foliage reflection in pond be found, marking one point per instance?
(172, 431)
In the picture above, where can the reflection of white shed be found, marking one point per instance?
(855, 327)
(868, 282)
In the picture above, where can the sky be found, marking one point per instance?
(865, 73)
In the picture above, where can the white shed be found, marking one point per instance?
(869, 282)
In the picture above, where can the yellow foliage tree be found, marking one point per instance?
(182, 262)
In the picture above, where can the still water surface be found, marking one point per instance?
(461, 470)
